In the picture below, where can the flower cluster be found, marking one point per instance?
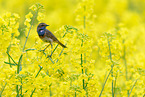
(104, 55)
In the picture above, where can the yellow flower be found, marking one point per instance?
(8, 14)
(40, 16)
(16, 15)
(136, 75)
(29, 15)
(12, 21)
(27, 23)
(33, 7)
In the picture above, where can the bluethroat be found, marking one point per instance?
(47, 36)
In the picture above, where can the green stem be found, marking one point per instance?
(132, 87)
(39, 71)
(82, 71)
(110, 55)
(21, 87)
(60, 54)
(115, 83)
(4, 87)
(105, 83)
(11, 58)
(29, 31)
(32, 92)
(82, 61)
(124, 58)
(35, 77)
(50, 90)
(19, 63)
(55, 48)
(18, 70)
(85, 86)
(8, 49)
(75, 94)
(125, 63)
(112, 89)
(17, 90)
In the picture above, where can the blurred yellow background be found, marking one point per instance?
(58, 12)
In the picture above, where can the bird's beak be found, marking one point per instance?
(47, 25)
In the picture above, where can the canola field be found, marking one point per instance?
(105, 54)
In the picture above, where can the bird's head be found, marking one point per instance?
(41, 26)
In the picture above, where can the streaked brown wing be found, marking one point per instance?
(50, 35)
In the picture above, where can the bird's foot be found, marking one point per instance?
(49, 56)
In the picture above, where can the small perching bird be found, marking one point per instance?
(47, 36)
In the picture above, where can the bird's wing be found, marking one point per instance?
(50, 35)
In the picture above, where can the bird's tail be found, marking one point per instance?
(62, 44)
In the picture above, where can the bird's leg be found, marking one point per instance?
(46, 47)
(51, 49)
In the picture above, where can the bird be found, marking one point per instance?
(47, 36)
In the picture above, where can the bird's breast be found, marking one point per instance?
(47, 39)
(43, 36)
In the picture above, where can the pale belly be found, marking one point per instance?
(46, 39)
